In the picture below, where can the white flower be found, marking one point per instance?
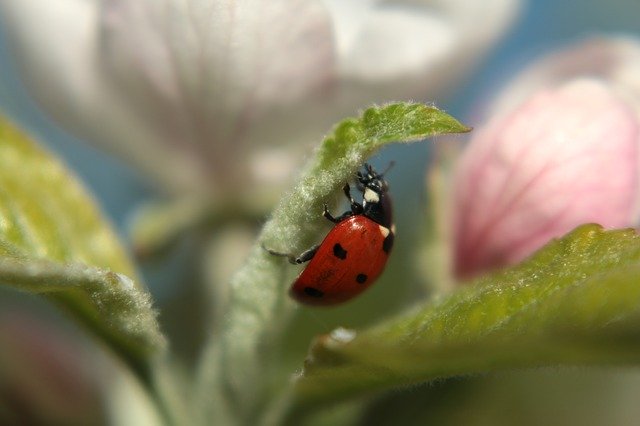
(197, 92)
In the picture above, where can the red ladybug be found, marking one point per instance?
(354, 253)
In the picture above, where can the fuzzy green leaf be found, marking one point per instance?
(236, 366)
(296, 221)
(576, 301)
(54, 242)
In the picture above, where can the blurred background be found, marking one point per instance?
(541, 27)
(550, 396)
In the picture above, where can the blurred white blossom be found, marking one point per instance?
(562, 149)
(196, 92)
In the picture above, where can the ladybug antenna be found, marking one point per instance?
(391, 164)
(370, 173)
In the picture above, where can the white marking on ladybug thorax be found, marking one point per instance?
(384, 231)
(371, 196)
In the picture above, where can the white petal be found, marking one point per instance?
(430, 43)
(384, 43)
(181, 88)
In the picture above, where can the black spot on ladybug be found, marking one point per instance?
(339, 252)
(313, 292)
(361, 278)
(387, 244)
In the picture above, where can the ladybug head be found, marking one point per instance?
(373, 180)
(376, 203)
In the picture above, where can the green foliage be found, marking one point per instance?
(575, 302)
(54, 242)
(356, 138)
(296, 220)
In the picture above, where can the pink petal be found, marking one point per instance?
(565, 157)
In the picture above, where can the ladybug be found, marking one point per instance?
(354, 252)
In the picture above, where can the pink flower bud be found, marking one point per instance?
(564, 157)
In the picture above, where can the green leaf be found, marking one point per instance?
(237, 364)
(54, 242)
(576, 302)
(297, 221)
(377, 126)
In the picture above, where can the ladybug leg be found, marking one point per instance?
(305, 256)
(356, 208)
(359, 184)
(290, 257)
(333, 219)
